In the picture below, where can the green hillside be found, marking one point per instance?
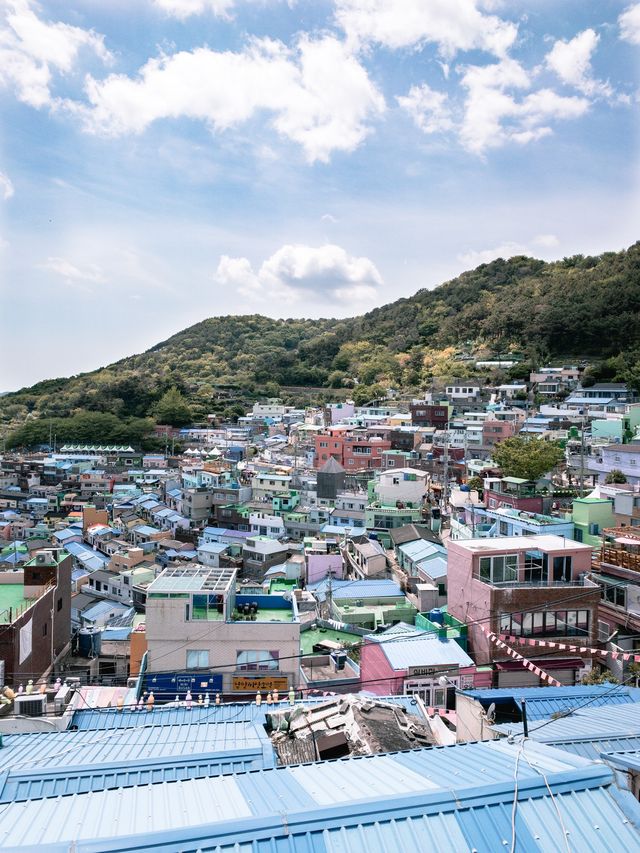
(586, 307)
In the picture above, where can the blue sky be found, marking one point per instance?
(163, 161)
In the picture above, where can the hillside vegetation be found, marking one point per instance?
(586, 307)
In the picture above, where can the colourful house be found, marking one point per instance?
(590, 517)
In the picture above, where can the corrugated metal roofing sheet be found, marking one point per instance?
(422, 549)
(422, 650)
(606, 722)
(364, 589)
(543, 702)
(98, 719)
(457, 798)
(62, 763)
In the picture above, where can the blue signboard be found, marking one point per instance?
(167, 685)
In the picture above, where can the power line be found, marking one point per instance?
(422, 634)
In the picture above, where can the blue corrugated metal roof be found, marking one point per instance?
(449, 798)
(624, 760)
(103, 607)
(594, 749)
(52, 764)
(98, 719)
(607, 722)
(435, 567)
(543, 702)
(421, 648)
(356, 589)
(420, 549)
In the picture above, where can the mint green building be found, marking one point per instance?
(590, 517)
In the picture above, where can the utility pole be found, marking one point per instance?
(582, 457)
(445, 472)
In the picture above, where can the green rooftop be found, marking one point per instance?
(282, 585)
(267, 614)
(11, 597)
(308, 639)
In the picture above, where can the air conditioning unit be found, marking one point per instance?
(31, 705)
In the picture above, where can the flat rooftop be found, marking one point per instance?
(193, 579)
(267, 614)
(308, 639)
(520, 543)
(11, 596)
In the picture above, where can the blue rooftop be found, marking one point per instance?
(103, 607)
(419, 648)
(586, 731)
(543, 702)
(454, 798)
(363, 589)
(37, 766)
(100, 719)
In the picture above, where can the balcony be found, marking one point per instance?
(539, 583)
(620, 557)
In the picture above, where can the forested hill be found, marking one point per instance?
(585, 307)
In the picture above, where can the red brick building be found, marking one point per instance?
(35, 615)
(429, 414)
(353, 450)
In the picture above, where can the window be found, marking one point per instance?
(259, 659)
(562, 569)
(44, 630)
(603, 631)
(499, 569)
(545, 623)
(615, 594)
(197, 658)
(59, 605)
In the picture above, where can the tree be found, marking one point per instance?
(527, 458)
(476, 484)
(615, 476)
(596, 676)
(173, 409)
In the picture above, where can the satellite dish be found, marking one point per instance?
(491, 713)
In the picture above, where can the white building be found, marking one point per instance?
(405, 485)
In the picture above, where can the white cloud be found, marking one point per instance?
(629, 23)
(329, 219)
(320, 96)
(428, 108)
(453, 25)
(73, 274)
(493, 116)
(297, 273)
(185, 8)
(507, 250)
(540, 244)
(571, 61)
(6, 186)
(31, 50)
(547, 241)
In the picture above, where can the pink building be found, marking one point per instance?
(512, 492)
(530, 588)
(408, 660)
(320, 566)
(495, 431)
